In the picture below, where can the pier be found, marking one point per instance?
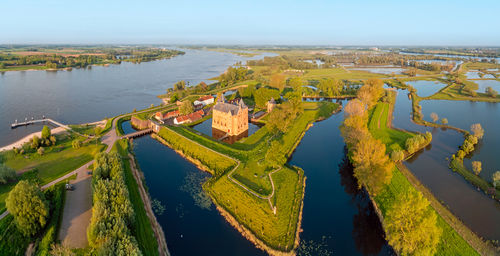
(28, 122)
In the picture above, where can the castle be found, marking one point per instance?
(231, 119)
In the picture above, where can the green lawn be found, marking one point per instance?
(340, 73)
(141, 229)
(392, 138)
(54, 163)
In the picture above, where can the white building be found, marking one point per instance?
(205, 100)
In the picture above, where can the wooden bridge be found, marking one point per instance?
(28, 122)
(137, 133)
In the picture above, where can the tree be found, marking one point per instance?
(444, 121)
(372, 166)
(434, 117)
(492, 93)
(371, 92)
(496, 179)
(27, 204)
(40, 151)
(35, 142)
(477, 130)
(277, 81)
(397, 155)
(76, 144)
(296, 83)
(476, 167)
(181, 85)
(45, 132)
(7, 174)
(412, 225)
(186, 107)
(263, 95)
(53, 140)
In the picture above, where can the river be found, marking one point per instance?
(89, 95)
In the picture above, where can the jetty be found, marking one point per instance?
(43, 120)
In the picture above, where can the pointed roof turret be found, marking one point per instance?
(241, 104)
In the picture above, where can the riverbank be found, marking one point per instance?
(19, 143)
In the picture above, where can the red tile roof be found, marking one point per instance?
(207, 97)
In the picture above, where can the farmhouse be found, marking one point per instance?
(204, 100)
(230, 118)
(160, 116)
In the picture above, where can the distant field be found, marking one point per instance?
(341, 73)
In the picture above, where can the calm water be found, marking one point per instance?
(337, 216)
(463, 114)
(426, 88)
(483, 84)
(191, 227)
(385, 71)
(127, 127)
(88, 95)
(473, 207)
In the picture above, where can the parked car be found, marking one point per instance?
(69, 186)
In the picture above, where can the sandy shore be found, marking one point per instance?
(27, 138)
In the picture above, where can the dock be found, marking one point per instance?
(29, 122)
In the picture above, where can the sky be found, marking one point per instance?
(307, 22)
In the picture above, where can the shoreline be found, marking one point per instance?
(19, 143)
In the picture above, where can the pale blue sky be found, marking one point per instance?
(383, 22)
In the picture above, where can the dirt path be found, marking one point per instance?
(160, 236)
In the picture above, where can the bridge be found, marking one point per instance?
(137, 133)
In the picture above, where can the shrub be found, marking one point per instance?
(492, 93)
(444, 121)
(76, 144)
(477, 130)
(6, 174)
(40, 151)
(476, 167)
(428, 137)
(461, 154)
(397, 155)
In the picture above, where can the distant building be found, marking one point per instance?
(204, 100)
(230, 118)
(271, 104)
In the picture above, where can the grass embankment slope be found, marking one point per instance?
(141, 229)
(54, 163)
(452, 240)
(251, 214)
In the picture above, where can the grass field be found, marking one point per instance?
(340, 73)
(54, 163)
(141, 229)
(378, 126)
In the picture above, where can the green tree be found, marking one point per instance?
(6, 174)
(27, 204)
(35, 142)
(76, 144)
(181, 85)
(296, 83)
(186, 107)
(397, 155)
(263, 95)
(491, 92)
(476, 167)
(46, 132)
(411, 225)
